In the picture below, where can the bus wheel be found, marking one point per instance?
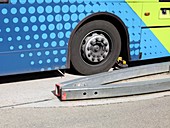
(95, 47)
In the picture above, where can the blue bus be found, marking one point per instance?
(88, 35)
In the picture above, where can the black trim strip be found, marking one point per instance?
(164, 0)
(165, 8)
(4, 1)
(156, 27)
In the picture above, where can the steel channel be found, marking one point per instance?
(115, 90)
(118, 75)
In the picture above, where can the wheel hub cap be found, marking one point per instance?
(95, 46)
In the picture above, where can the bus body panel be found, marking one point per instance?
(159, 14)
(155, 41)
(34, 34)
(150, 46)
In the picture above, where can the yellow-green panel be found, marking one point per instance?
(163, 35)
(137, 7)
(142, 1)
(157, 16)
(152, 15)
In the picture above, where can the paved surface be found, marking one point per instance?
(39, 93)
(32, 104)
(153, 113)
(28, 92)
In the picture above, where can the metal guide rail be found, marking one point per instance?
(103, 85)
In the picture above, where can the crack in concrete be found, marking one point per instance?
(20, 104)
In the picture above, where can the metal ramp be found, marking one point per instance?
(104, 84)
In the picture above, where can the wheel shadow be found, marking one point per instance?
(60, 73)
(31, 76)
(150, 61)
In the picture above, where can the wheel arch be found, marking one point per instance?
(113, 19)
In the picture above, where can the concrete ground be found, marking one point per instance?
(152, 113)
(31, 103)
(40, 93)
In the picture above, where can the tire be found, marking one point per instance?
(95, 47)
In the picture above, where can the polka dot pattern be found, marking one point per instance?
(149, 46)
(39, 30)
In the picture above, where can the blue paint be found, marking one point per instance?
(34, 34)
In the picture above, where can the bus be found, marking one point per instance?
(88, 35)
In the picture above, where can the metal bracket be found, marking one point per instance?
(103, 85)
